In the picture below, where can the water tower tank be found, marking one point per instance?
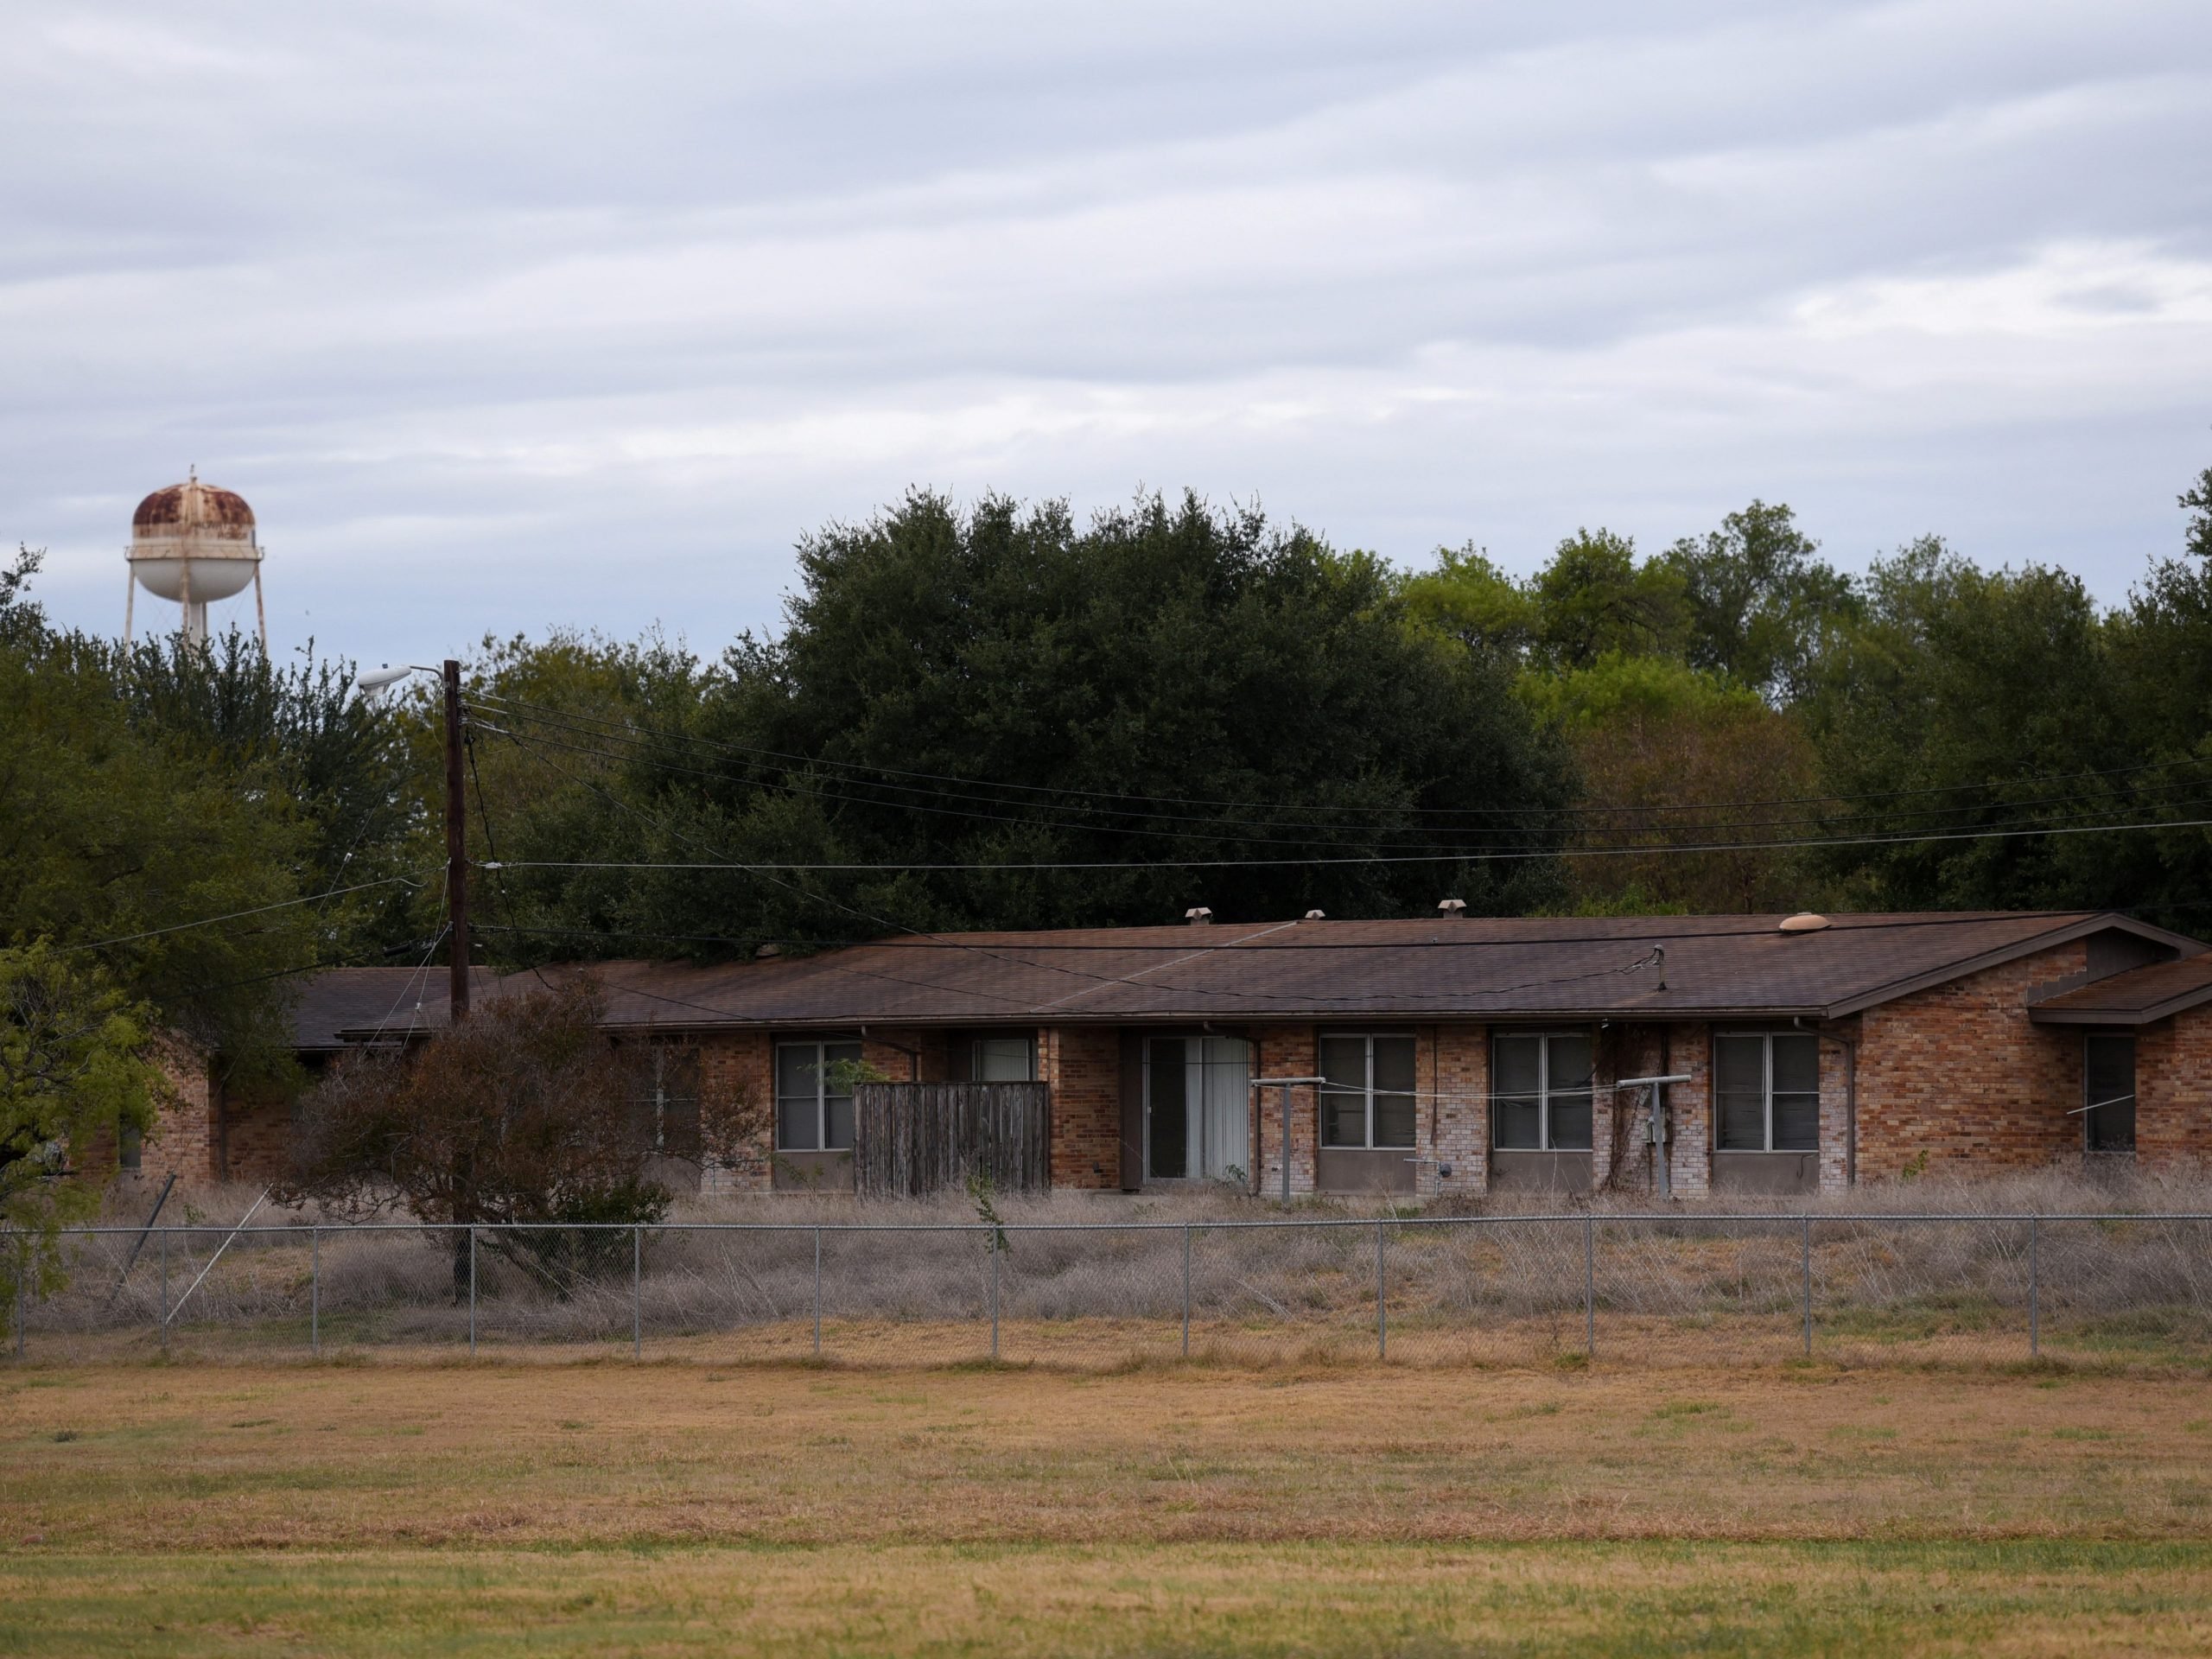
(193, 543)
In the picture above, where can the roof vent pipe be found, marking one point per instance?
(1805, 921)
(1452, 906)
(1198, 915)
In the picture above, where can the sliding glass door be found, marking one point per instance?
(1197, 1102)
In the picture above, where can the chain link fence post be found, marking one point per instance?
(1808, 1263)
(1187, 1290)
(2035, 1288)
(818, 1292)
(165, 1290)
(637, 1292)
(315, 1290)
(993, 1239)
(472, 1290)
(1590, 1284)
(1381, 1304)
(23, 1300)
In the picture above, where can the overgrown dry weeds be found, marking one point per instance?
(172, 1458)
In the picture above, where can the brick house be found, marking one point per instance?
(1451, 1056)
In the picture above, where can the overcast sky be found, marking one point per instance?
(504, 316)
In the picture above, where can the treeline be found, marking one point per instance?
(1004, 718)
(1001, 717)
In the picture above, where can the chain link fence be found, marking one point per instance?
(2124, 1290)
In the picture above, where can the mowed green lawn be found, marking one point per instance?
(511, 1509)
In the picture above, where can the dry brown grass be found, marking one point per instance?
(150, 1458)
(1590, 1601)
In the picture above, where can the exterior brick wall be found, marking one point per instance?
(1457, 1129)
(1083, 1063)
(737, 1089)
(253, 1134)
(1619, 1119)
(1958, 1072)
(1689, 1111)
(2173, 1091)
(182, 1138)
(1286, 1052)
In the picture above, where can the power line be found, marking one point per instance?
(989, 954)
(2171, 794)
(627, 728)
(980, 950)
(1850, 923)
(1382, 858)
(238, 915)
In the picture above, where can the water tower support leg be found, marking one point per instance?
(260, 614)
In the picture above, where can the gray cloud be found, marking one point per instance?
(504, 316)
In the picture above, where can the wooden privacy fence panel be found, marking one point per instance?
(912, 1138)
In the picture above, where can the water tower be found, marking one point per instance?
(193, 543)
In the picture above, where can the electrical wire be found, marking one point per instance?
(1391, 858)
(1215, 830)
(628, 728)
(238, 915)
(1306, 999)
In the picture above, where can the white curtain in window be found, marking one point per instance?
(1224, 1084)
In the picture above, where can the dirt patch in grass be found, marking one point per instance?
(158, 1459)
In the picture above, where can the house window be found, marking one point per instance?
(1541, 1091)
(1766, 1089)
(1368, 1100)
(1003, 1059)
(667, 1116)
(814, 1096)
(2108, 1091)
(131, 1142)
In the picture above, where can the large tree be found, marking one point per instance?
(1764, 609)
(1095, 714)
(75, 1075)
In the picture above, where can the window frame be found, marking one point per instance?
(821, 1045)
(1544, 1036)
(1766, 1035)
(974, 1058)
(2090, 1108)
(1324, 1091)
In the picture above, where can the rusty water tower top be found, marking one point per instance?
(193, 543)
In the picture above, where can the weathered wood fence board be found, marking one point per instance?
(912, 1138)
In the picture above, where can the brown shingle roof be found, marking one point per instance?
(1508, 968)
(361, 1000)
(2134, 998)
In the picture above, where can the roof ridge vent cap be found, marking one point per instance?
(1317, 915)
(1452, 906)
(1805, 921)
(1198, 915)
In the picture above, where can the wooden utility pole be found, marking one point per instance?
(456, 852)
